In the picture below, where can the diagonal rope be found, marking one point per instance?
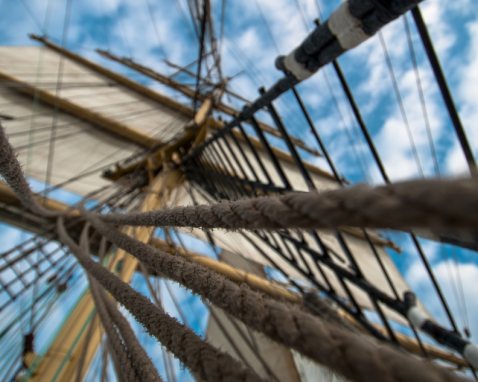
(124, 369)
(431, 204)
(421, 95)
(11, 171)
(205, 360)
(272, 318)
(353, 355)
(140, 361)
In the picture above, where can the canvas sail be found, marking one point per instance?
(81, 146)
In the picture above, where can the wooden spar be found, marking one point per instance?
(185, 90)
(153, 161)
(255, 282)
(167, 102)
(7, 196)
(118, 78)
(118, 129)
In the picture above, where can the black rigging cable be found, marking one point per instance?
(202, 37)
(400, 103)
(156, 28)
(445, 91)
(421, 95)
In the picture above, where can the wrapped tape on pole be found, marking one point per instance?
(346, 28)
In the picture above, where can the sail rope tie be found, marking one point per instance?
(140, 361)
(353, 355)
(200, 357)
(439, 205)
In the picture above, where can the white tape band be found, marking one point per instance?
(416, 317)
(296, 68)
(346, 28)
(471, 354)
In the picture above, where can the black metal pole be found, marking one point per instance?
(445, 91)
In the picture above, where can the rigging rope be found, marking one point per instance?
(349, 354)
(433, 204)
(123, 366)
(200, 357)
(421, 95)
(11, 171)
(140, 361)
(232, 213)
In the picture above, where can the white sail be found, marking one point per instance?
(81, 145)
(270, 360)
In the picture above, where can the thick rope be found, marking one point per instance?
(355, 356)
(432, 204)
(140, 360)
(435, 204)
(11, 171)
(200, 357)
(142, 363)
(123, 365)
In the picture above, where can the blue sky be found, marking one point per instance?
(126, 27)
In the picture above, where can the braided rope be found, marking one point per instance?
(141, 362)
(435, 204)
(355, 356)
(123, 365)
(11, 171)
(200, 357)
(411, 204)
(139, 359)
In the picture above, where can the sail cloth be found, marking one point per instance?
(80, 146)
(249, 245)
(271, 361)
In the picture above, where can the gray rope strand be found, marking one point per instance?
(435, 204)
(11, 171)
(140, 361)
(200, 357)
(123, 365)
(355, 356)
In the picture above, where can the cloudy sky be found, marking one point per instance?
(255, 32)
